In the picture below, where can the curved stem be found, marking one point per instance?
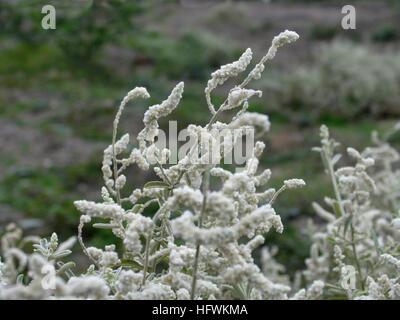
(276, 194)
(80, 239)
(334, 182)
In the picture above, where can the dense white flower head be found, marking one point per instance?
(294, 183)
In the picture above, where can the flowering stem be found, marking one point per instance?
(215, 115)
(115, 161)
(356, 257)
(270, 54)
(206, 184)
(334, 182)
(241, 86)
(329, 165)
(148, 240)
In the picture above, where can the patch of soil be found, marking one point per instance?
(22, 146)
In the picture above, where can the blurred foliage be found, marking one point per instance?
(192, 56)
(83, 36)
(49, 193)
(323, 32)
(346, 81)
(262, 26)
(83, 27)
(293, 248)
(394, 138)
(29, 59)
(385, 33)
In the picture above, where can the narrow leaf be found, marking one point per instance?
(61, 254)
(137, 207)
(65, 267)
(347, 224)
(336, 158)
(156, 184)
(338, 211)
(130, 264)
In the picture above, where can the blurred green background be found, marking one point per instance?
(59, 90)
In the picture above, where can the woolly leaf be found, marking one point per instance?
(156, 184)
(61, 254)
(65, 267)
(336, 158)
(130, 264)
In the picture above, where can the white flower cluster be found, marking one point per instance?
(41, 275)
(213, 259)
(356, 252)
(199, 244)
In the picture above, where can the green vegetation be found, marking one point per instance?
(323, 32)
(48, 193)
(385, 33)
(345, 81)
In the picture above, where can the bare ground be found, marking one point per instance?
(30, 147)
(252, 24)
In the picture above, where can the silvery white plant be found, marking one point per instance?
(190, 248)
(37, 275)
(357, 252)
(199, 243)
(348, 78)
(209, 261)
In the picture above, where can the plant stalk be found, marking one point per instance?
(206, 185)
(148, 240)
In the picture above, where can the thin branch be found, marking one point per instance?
(206, 185)
(148, 240)
(276, 194)
(80, 239)
(356, 257)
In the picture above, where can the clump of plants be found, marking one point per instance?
(83, 27)
(345, 80)
(199, 244)
(356, 253)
